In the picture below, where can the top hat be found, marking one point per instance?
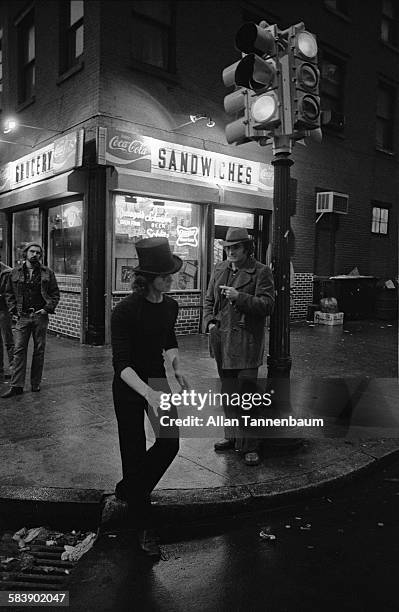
(235, 235)
(155, 257)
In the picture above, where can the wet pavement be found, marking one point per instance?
(62, 443)
(337, 552)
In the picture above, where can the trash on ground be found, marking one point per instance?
(380, 524)
(23, 552)
(74, 553)
(267, 536)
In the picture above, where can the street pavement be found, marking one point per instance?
(61, 445)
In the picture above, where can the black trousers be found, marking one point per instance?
(141, 468)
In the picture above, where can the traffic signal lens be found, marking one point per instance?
(310, 108)
(255, 73)
(307, 45)
(263, 108)
(308, 76)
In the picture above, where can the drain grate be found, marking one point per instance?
(44, 570)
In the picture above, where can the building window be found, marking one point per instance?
(26, 228)
(332, 89)
(385, 116)
(152, 33)
(26, 57)
(137, 217)
(65, 239)
(379, 220)
(71, 33)
(1, 68)
(339, 6)
(389, 22)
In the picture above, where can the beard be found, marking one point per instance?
(35, 262)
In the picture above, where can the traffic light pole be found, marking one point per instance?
(279, 359)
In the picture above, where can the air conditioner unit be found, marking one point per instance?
(332, 202)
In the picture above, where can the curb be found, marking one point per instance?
(94, 507)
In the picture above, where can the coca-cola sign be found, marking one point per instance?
(128, 150)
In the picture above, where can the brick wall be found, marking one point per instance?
(67, 318)
(188, 320)
(301, 295)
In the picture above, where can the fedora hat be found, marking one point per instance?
(235, 235)
(155, 257)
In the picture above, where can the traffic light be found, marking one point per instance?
(256, 80)
(304, 78)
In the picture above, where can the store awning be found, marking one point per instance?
(152, 186)
(66, 184)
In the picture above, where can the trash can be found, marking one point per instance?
(355, 295)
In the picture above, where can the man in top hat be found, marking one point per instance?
(31, 294)
(142, 331)
(239, 298)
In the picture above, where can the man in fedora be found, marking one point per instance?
(239, 298)
(31, 294)
(142, 331)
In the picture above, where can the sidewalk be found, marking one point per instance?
(61, 445)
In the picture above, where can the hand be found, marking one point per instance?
(14, 318)
(181, 379)
(153, 398)
(211, 326)
(230, 292)
(41, 311)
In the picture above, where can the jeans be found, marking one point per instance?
(6, 340)
(35, 324)
(142, 468)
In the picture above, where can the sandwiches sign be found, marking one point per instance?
(177, 162)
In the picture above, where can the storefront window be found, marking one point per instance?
(65, 239)
(26, 228)
(233, 218)
(138, 217)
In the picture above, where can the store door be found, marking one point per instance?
(326, 230)
(256, 223)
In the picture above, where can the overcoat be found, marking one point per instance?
(240, 325)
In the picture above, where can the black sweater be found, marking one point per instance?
(140, 331)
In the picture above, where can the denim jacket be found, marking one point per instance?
(48, 286)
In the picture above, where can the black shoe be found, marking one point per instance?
(149, 543)
(35, 388)
(223, 445)
(12, 391)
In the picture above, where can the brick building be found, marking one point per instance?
(105, 151)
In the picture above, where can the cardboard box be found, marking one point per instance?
(329, 318)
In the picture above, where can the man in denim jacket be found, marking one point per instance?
(31, 294)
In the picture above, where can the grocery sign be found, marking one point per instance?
(61, 155)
